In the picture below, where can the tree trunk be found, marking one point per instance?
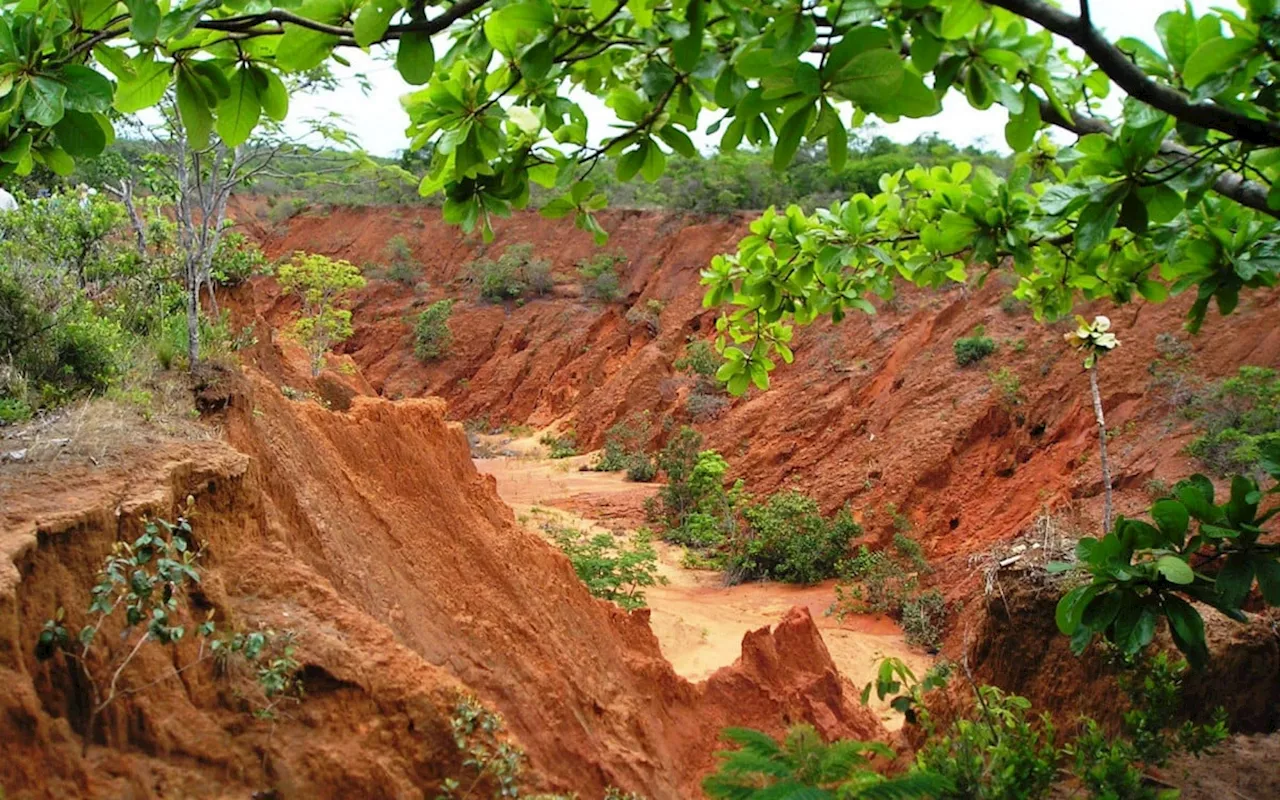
(1102, 448)
(135, 219)
(193, 323)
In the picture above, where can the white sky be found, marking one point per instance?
(379, 122)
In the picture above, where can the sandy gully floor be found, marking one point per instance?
(699, 621)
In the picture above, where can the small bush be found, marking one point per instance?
(564, 445)
(805, 766)
(647, 315)
(624, 443)
(1007, 385)
(787, 539)
(1006, 754)
(236, 259)
(972, 349)
(700, 359)
(702, 406)
(694, 506)
(14, 410)
(432, 337)
(613, 571)
(492, 766)
(600, 278)
(513, 275)
(642, 469)
(1237, 418)
(924, 618)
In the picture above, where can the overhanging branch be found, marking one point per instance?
(1138, 84)
(1231, 185)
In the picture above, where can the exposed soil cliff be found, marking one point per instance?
(370, 534)
(873, 411)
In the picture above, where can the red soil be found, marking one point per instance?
(370, 533)
(873, 411)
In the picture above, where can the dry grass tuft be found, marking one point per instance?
(104, 430)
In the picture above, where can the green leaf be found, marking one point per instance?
(1135, 626)
(837, 146)
(87, 89)
(1196, 493)
(1177, 36)
(301, 49)
(960, 17)
(678, 140)
(1268, 573)
(512, 26)
(373, 20)
(1175, 570)
(193, 110)
(687, 50)
(1072, 606)
(416, 58)
(1213, 58)
(58, 161)
(80, 134)
(145, 19)
(912, 99)
(18, 148)
(239, 113)
(274, 97)
(1173, 519)
(1163, 203)
(793, 130)
(147, 86)
(1097, 219)
(1187, 629)
(870, 77)
(654, 163)
(1235, 579)
(43, 101)
(1020, 132)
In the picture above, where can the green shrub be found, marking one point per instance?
(694, 507)
(1005, 754)
(887, 582)
(804, 766)
(786, 538)
(972, 349)
(491, 765)
(614, 571)
(514, 274)
(647, 315)
(563, 445)
(148, 581)
(14, 410)
(1007, 385)
(625, 443)
(432, 337)
(703, 406)
(642, 469)
(236, 259)
(700, 359)
(924, 619)
(600, 278)
(1238, 417)
(998, 751)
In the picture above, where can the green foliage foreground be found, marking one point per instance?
(1176, 194)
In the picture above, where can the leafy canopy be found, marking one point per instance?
(1176, 193)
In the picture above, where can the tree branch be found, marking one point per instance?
(1128, 76)
(1231, 185)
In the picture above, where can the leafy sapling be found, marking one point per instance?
(148, 580)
